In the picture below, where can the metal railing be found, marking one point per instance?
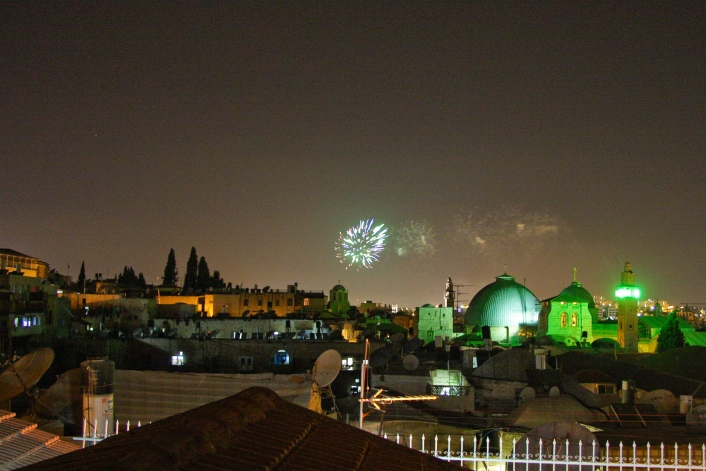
(561, 455)
(447, 390)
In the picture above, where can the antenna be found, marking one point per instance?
(25, 372)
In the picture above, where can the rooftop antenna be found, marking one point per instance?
(574, 274)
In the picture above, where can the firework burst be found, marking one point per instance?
(361, 245)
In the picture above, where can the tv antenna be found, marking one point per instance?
(377, 401)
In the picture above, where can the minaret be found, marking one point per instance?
(449, 294)
(627, 294)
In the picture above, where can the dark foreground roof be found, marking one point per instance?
(253, 430)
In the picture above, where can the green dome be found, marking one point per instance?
(578, 291)
(503, 303)
(338, 288)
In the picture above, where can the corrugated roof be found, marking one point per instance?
(253, 430)
(22, 444)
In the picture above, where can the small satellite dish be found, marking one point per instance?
(326, 368)
(172, 333)
(413, 344)
(214, 334)
(25, 372)
(527, 394)
(381, 356)
(265, 289)
(554, 391)
(137, 332)
(410, 362)
(397, 338)
(246, 313)
(697, 416)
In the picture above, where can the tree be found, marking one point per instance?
(203, 276)
(216, 281)
(141, 282)
(670, 336)
(192, 268)
(82, 276)
(170, 277)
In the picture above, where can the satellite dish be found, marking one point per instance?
(137, 332)
(25, 372)
(214, 334)
(326, 368)
(265, 289)
(246, 313)
(697, 416)
(527, 394)
(554, 391)
(410, 362)
(172, 333)
(397, 338)
(381, 356)
(413, 344)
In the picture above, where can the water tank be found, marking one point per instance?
(628, 392)
(98, 384)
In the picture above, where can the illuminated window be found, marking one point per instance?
(563, 319)
(281, 358)
(178, 360)
(574, 319)
(306, 301)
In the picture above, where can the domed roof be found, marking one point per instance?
(338, 288)
(578, 291)
(503, 303)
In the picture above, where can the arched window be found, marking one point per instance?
(574, 320)
(563, 319)
(281, 358)
(306, 301)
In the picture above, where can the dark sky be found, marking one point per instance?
(542, 135)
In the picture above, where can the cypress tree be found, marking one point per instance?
(203, 277)
(192, 268)
(170, 277)
(82, 276)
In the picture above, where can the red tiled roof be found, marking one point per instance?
(22, 444)
(253, 430)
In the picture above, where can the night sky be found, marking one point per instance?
(540, 136)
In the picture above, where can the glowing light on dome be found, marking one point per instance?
(361, 245)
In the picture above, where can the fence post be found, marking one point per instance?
(448, 449)
(398, 438)
(460, 453)
(620, 466)
(661, 455)
(117, 426)
(649, 455)
(554, 455)
(84, 433)
(410, 441)
(540, 451)
(580, 455)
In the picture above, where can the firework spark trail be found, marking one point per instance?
(361, 245)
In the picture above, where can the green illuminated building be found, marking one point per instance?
(569, 317)
(433, 321)
(627, 294)
(338, 301)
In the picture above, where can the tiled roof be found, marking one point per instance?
(22, 444)
(253, 430)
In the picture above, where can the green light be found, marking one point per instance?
(627, 292)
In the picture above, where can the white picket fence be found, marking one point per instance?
(543, 455)
(95, 432)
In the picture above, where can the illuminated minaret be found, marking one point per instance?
(627, 294)
(449, 294)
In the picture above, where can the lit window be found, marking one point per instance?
(563, 319)
(306, 301)
(178, 360)
(281, 358)
(574, 319)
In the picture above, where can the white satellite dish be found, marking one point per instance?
(527, 394)
(410, 362)
(554, 391)
(326, 368)
(697, 416)
(25, 372)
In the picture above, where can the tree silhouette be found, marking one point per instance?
(203, 276)
(670, 336)
(192, 268)
(170, 277)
